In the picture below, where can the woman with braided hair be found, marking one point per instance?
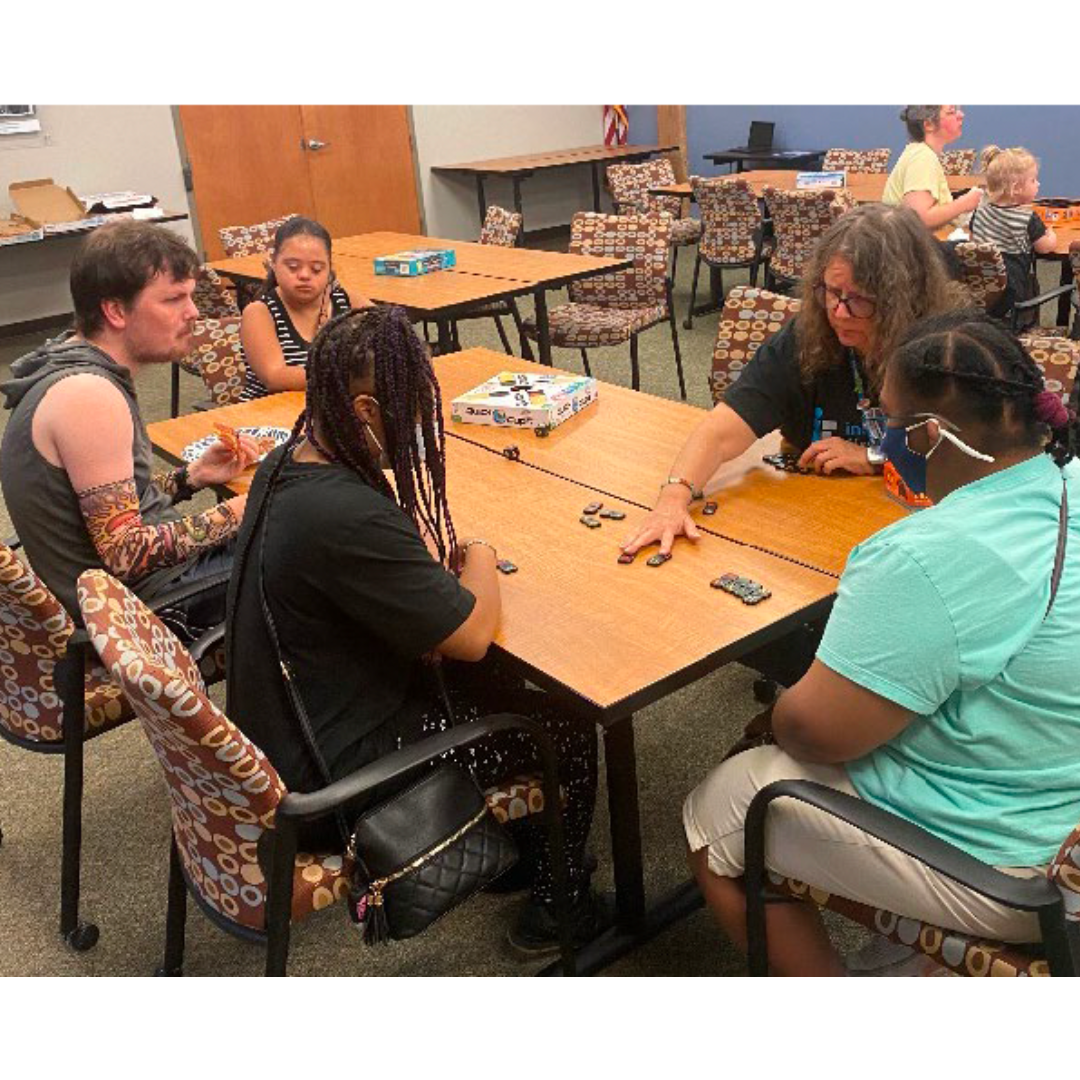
(945, 686)
(372, 592)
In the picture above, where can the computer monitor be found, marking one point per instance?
(761, 135)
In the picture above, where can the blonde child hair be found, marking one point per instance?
(1006, 169)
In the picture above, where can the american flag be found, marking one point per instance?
(616, 125)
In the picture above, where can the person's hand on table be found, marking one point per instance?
(220, 463)
(668, 519)
(835, 454)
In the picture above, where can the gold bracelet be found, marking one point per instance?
(695, 493)
(469, 543)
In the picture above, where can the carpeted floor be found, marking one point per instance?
(126, 821)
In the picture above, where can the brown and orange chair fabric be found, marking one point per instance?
(216, 356)
(630, 192)
(53, 701)
(732, 237)
(1058, 358)
(860, 161)
(798, 220)
(749, 318)
(958, 162)
(501, 228)
(228, 803)
(610, 309)
(257, 239)
(1055, 898)
(982, 272)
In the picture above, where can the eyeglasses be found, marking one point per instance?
(876, 421)
(859, 307)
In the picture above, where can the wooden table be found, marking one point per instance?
(520, 168)
(484, 272)
(865, 187)
(609, 639)
(623, 445)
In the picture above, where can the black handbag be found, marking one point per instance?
(424, 850)
(421, 853)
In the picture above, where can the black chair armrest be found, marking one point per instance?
(180, 593)
(1045, 298)
(1037, 895)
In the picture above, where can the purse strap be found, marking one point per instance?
(1063, 536)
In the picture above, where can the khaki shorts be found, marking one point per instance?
(806, 844)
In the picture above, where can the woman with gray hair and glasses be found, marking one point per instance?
(918, 179)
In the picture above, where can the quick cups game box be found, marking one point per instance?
(415, 263)
(805, 180)
(524, 400)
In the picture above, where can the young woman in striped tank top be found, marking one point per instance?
(299, 297)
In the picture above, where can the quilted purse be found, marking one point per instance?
(421, 853)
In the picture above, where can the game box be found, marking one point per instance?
(524, 400)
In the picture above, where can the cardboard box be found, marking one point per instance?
(48, 206)
(414, 263)
(820, 180)
(1056, 211)
(14, 230)
(521, 400)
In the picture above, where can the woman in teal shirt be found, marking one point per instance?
(945, 687)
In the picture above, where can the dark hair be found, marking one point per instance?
(983, 374)
(118, 261)
(294, 226)
(914, 116)
(380, 344)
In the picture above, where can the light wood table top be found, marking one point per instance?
(865, 187)
(624, 443)
(551, 159)
(615, 637)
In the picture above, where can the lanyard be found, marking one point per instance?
(862, 402)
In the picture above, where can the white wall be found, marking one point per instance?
(89, 149)
(448, 134)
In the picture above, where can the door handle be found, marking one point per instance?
(313, 144)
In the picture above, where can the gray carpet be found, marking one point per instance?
(126, 821)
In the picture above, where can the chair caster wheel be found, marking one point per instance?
(83, 938)
(164, 972)
(765, 691)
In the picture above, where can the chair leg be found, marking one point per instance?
(70, 681)
(688, 322)
(585, 361)
(502, 336)
(174, 392)
(675, 342)
(635, 374)
(674, 262)
(427, 332)
(526, 348)
(175, 916)
(279, 896)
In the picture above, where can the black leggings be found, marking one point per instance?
(476, 690)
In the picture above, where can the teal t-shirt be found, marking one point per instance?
(942, 613)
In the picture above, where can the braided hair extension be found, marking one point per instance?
(381, 341)
(1001, 382)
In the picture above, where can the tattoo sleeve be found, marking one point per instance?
(169, 482)
(130, 548)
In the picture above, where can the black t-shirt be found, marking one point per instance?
(357, 600)
(770, 393)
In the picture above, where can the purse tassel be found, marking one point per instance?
(375, 924)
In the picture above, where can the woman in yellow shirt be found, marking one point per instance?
(918, 180)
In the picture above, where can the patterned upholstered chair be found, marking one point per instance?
(217, 332)
(1072, 290)
(503, 229)
(748, 319)
(958, 162)
(1055, 899)
(798, 219)
(54, 701)
(1058, 359)
(224, 795)
(612, 308)
(732, 231)
(982, 273)
(630, 186)
(861, 161)
(258, 239)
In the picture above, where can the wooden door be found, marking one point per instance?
(363, 179)
(247, 165)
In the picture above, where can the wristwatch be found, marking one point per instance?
(875, 455)
(695, 493)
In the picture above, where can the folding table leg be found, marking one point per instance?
(543, 333)
(621, 763)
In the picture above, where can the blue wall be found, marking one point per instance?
(1048, 131)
